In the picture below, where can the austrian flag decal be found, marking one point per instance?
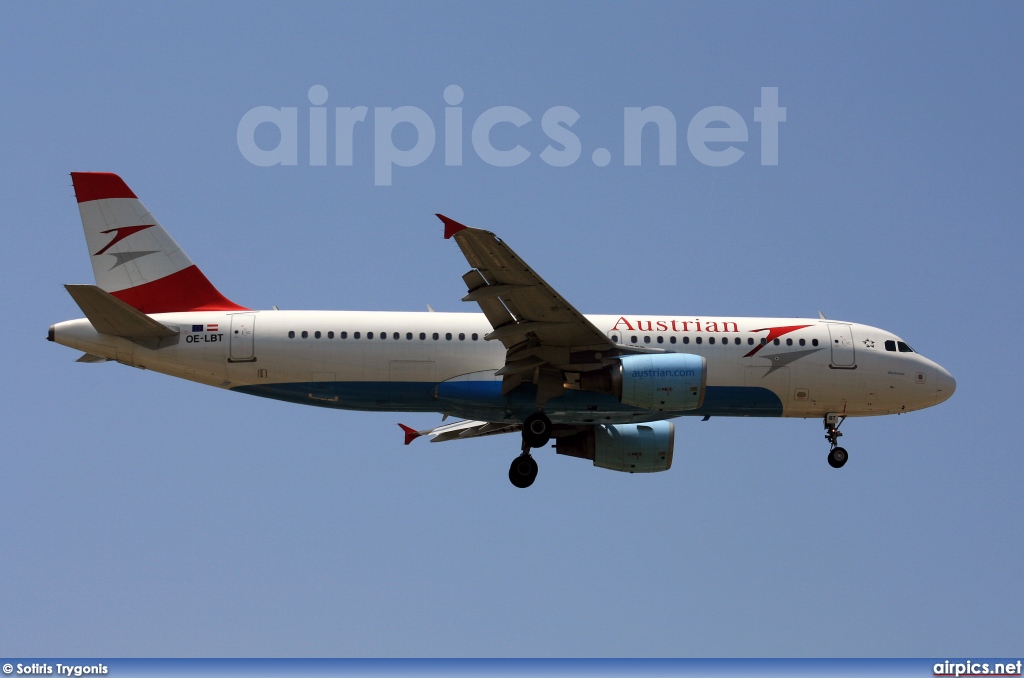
(213, 327)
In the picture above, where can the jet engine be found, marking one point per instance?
(673, 382)
(630, 448)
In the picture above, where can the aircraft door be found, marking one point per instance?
(842, 346)
(242, 338)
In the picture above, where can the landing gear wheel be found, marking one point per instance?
(537, 430)
(837, 457)
(523, 471)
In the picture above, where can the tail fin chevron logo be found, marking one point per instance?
(120, 234)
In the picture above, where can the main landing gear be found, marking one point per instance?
(536, 433)
(523, 471)
(837, 456)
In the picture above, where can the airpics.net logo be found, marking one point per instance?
(712, 134)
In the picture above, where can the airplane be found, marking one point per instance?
(602, 387)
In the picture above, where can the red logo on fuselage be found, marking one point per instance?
(774, 333)
(698, 325)
(674, 325)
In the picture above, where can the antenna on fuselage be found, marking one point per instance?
(431, 308)
(822, 315)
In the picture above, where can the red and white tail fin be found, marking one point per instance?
(133, 257)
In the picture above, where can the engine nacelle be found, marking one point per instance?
(663, 382)
(631, 448)
(667, 381)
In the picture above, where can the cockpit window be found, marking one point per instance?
(890, 345)
(904, 348)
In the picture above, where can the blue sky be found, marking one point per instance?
(145, 516)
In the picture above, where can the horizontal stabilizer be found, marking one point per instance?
(110, 315)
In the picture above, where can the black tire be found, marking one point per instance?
(523, 471)
(837, 457)
(537, 430)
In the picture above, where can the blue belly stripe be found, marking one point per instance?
(483, 399)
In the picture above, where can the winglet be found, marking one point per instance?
(411, 434)
(451, 227)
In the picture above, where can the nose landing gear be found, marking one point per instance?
(837, 456)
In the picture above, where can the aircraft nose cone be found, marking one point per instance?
(945, 384)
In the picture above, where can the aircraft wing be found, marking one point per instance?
(543, 334)
(458, 430)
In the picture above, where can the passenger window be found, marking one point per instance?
(408, 336)
(661, 340)
(711, 340)
(737, 341)
(750, 341)
(355, 335)
(435, 336)
(423, 336)
(383, 335)
(803, 342)
(647, 340)
(814, 342)
(396, 336)
(317, 334)
(462, 336)
(700, 340)
(633, 339)
(291, 335)
(686, 340)
(789, 342)
(344, 335)
(764, 341)
(475, 336)
(330, 335)
(671, 340)
(615, 338)
(776, 342)
(305, 334)
(448, 336)
(904, 348)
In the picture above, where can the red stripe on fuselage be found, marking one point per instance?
(99, 186)
(186, 290)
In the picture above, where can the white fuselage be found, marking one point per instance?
(440, 362)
